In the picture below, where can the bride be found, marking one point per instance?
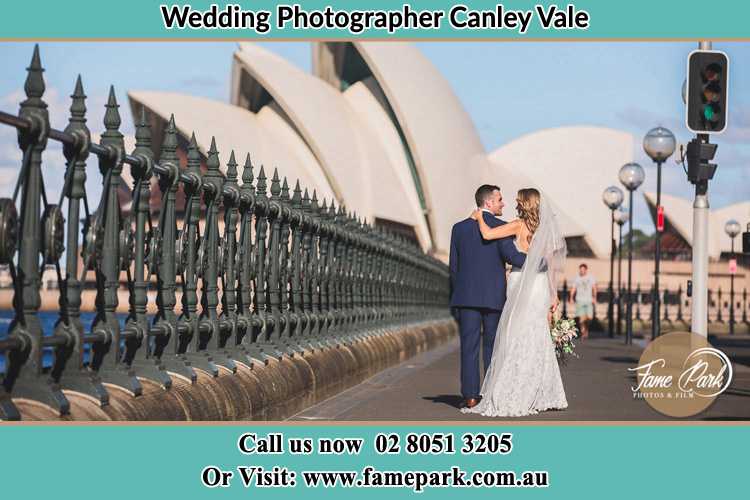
(523, 377)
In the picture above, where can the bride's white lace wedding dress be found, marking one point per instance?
(524, 377)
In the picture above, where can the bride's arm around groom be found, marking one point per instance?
(514, 228)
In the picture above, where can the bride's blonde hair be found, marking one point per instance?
(528, 209)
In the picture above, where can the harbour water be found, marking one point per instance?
(48, 320)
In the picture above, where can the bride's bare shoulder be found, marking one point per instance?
(517, 225)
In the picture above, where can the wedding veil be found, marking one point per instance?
(546, 255)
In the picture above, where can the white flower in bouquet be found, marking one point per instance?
(563, 331)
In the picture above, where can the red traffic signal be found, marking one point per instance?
(660, 219)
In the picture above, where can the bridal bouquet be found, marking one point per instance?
(563, 331)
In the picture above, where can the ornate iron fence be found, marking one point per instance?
(286, 273)
(676, 308)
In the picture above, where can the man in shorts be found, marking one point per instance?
(583, 293)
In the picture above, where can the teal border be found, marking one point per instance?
(141, 19)
(584, 461)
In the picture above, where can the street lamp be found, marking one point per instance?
(631, 176)
(621, 217)
(612, 197)
(659, 144)
(732, 228)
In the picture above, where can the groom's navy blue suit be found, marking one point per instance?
(478, 285)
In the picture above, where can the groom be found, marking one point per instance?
(477, 269)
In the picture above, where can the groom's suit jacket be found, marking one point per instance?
(477, 267)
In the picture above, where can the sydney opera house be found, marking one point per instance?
(378, 129)
(677, 241)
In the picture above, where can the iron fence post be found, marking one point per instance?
(314, 268)
(185, 353)
(26, 328)
(111, 260)
(246, 346)
(142, 356)
(214, 255)
(324, 271)
(228, 320)
(74, 189)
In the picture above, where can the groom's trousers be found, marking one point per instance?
(475, 324)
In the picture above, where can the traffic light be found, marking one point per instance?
(707, 87)
(699, 155)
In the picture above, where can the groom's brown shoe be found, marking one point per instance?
(471, 403)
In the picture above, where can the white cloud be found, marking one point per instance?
(53, 160)
(7, 180)
(13, 99)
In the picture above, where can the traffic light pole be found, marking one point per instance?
(699, 322)
(731, 294)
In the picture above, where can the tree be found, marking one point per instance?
(642, 242)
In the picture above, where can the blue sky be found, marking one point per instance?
(509, 89)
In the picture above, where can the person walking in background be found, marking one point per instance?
(583, 293)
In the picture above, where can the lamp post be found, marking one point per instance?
(631, 176)
(612, 197)
(621, 217)
(732, 228)
(659, 144)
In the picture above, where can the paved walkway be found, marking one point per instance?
(597, 386)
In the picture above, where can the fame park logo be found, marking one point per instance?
(680, 374)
